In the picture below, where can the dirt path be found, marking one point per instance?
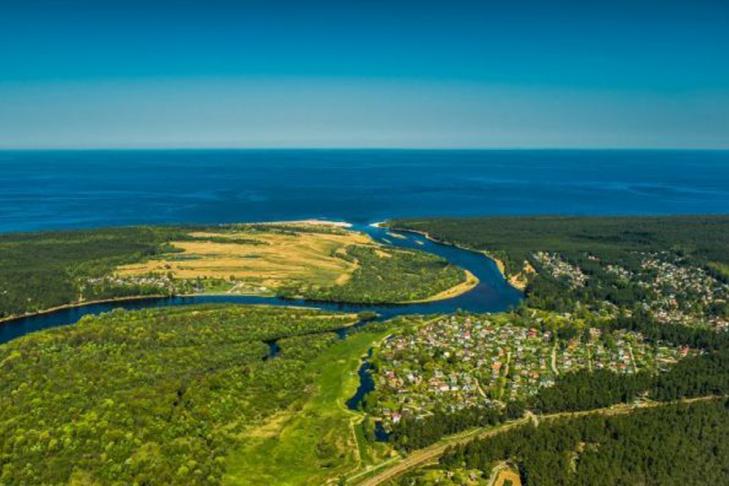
(589, 358)
(554, 359)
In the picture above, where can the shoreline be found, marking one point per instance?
(457, 290)
(513, 280)
(75, 305)
(78, 305)
(312, 222)
(471, 280)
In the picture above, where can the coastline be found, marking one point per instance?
(313, 222)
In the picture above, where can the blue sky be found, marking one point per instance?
(364, 74)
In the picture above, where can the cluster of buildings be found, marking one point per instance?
(161, 284)
(463, 361)
(559, 269)
(682, 293)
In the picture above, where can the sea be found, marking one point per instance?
(43, 190)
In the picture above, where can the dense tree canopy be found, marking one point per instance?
(150, 397)
(399, 276)
(672, 444)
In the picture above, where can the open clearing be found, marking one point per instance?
(314, 441)
(507, 476)
(300, 259)
(263, 256)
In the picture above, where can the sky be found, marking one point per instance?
(455, 74)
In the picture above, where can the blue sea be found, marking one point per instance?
(73, 189)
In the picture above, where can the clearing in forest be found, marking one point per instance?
(262, 257)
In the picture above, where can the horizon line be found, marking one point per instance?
(353, 148)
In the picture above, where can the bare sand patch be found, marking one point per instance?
(507, 474)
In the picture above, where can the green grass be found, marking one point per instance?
(722, 268)
(219, 286)
(316, 440)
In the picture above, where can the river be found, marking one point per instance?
(492, 294)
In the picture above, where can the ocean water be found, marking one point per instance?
(73, 189)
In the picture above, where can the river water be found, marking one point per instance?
(492, 294)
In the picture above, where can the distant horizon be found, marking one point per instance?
(91, 188)
(364, 149)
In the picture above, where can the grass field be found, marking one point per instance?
(259, 258)
(722, 268)
(315, 441)
(307, 260)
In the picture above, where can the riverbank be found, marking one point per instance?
(460, 289)
(490, 295)
(466, 286)
(358, 238)
(76, 305)
(519, 281)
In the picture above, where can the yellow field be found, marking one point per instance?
(261, 257)
(507, 474)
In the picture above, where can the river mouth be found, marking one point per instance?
(492, 294)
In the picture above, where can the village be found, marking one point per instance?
(152, 284)
(464, 361)
(683, 292)
(677, 291)
(558, 268)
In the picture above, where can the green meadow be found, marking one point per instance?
(316, 438)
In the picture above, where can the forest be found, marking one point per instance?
(401, 276)
(703, 237)
(43, 270)
(151, 397)
(666, 445)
